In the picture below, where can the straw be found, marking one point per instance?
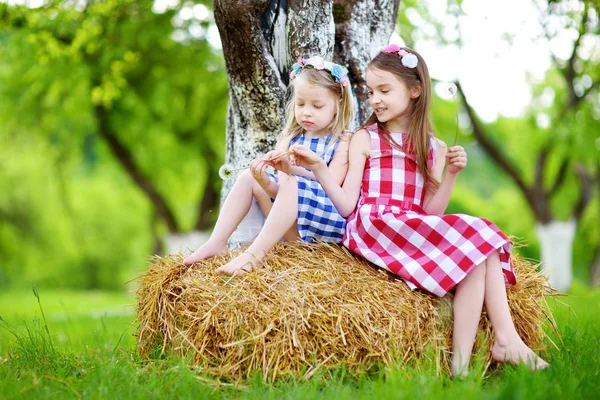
(308, 308)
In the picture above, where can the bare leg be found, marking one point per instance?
(468, 303)
(236, 206)
(508, 345)
(281, 219)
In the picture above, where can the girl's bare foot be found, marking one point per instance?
(208, 249)
(459, 370)
(240, 265)
(516, 352)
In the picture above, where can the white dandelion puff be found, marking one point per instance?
(451, 88)
(226, 171)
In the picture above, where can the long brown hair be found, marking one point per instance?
(420, 128)
(344, 112)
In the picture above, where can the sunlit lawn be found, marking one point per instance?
(89, 352)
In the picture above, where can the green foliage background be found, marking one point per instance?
(70, 214)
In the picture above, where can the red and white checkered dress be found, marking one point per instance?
(390, 228)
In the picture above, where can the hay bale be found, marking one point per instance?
(306, 307)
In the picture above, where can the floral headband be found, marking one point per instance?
(409, 60)
(338, 73)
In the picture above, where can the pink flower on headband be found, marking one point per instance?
(301, 62)
(345, 81)
(394, 48)
(409, 60)
(391, 48)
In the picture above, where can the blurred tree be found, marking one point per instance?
(557, 167)
(123, 72)
(574, 84)
(122, 80)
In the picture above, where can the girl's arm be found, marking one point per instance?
(338, 167)
(436, 201)
(345, 197)
(301, 171)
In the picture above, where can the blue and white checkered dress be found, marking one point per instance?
(318, 219)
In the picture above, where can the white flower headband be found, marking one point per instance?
(338, 73)
(409, 60)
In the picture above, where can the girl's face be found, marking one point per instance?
(390, 97)
(315, 106)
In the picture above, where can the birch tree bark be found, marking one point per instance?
(361, 29)
(262, 38)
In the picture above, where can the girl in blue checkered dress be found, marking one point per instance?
(318, 115)
(318, 219)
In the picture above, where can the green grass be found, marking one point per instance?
(82, 346)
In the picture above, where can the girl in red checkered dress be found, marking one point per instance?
(395, 198)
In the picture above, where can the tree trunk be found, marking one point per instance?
(262, 38)
(595, 268)
(125, 158)
(256, 90)
(556, 240)
(361, 29)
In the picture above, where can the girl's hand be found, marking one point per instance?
(280, 163)
(305, 157)
(258, 168)
(456, 159)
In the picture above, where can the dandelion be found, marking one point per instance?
(451, 88)
(226, 171)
